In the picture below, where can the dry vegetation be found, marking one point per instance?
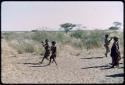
(80, 58)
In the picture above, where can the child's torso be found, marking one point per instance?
(53, 49)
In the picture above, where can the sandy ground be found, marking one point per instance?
(73, 67)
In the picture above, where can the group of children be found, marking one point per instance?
(115, 53)
(49, 50)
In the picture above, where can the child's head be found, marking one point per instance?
(53, 42)
(106, 36)
(115, 38)
(46, 40)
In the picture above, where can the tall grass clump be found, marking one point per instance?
(95, 39)
(90, 39)
(22, 46)
(77, 34)
(8, 35)
(16, 35)
(41, 36)
(77, 43)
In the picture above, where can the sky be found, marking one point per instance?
(30, 15)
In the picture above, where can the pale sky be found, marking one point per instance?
(29, 15)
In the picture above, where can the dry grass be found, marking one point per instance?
(74, 66)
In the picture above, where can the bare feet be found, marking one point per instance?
(112, 66)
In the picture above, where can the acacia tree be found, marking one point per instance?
(67, 26)
(116, 26)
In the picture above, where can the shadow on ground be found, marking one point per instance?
(119, 63)
(31, 63)
(103, 67)
(121, 67)
(95, 67)
(39, 66)
(34, 64)
(92, 58)
(116, 75)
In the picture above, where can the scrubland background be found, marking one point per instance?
(80, 57)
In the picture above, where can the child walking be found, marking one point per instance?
(53, 53)
(47, 51)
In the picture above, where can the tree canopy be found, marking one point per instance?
(116, 26)
(67, 26)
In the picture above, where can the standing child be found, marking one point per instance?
(106, 45)
(47, 51)
(53, 52)
(115, 53)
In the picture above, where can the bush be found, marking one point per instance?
(31, 41)
(41, 36)
(90, 39)
(77, 43)
(22, 46)
(78, 34)
(8, 35)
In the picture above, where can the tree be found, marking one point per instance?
(34, 30)
(116, 26)
(67, 27)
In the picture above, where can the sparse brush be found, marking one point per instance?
(30, 41)
(38, 49)
(8, 35)
(41, 36)
(77, 43)
(22, 46)
(27, 46)
(77, 34)
(90, 39)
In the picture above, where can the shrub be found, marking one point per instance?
(77, 43)
(41, 36)
(8, 35)
(31, 41)
(22, 46)
(90, 39)
(78, 34)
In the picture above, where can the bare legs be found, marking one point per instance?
(52, 61)
(107, 50)
(45, 57)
